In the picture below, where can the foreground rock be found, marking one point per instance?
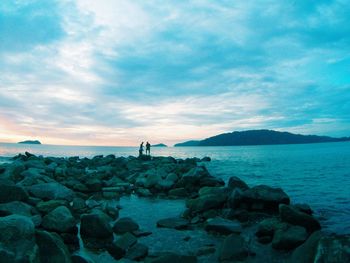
(51, 191)
(59, 220)
(173, 222)
(124, 225)
(10, 192)
(233, 249)
(223, 226)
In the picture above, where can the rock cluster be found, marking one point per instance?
(48, 203)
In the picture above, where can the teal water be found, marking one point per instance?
(317, 174)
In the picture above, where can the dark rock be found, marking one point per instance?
(233, 249)
(47, 206)
(205, 250)
(95, 226)
(178, 192)
(223, 226)
(171, 257)
(267, 227)
(125, 224)
(235, 182)
(141, 233)
(9, 193)
(206, 202)
(78, 204)
(264, 198)
(333, 249)
(143, 192)
(17, 240)
(118, 248)
(137, 252)
(304, 208)
(60, 220)
(94, 185)
(288, 237)
(51, 248)
(81, 258)
(306, 252)
(173, 222)
(15, 207)
(206, 159)
(51, 191)
(235, 198)
(294, 216)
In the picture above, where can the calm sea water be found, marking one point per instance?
(317, 174)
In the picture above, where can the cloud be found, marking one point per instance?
(116, 72)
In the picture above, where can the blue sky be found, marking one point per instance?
(113, 72)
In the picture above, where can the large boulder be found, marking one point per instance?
(47, 206)
(288, 237)
(206, 202)
(137, 252)
(60, 220)
(15, 207)
(173, 222)
(294, 216)
(51, 248)
(10, 192)
(119, 248)
(50, 191)
(306, 252)
(95, 226)
(125, 224)
(235, 182)
(264, 198)
(333, 249)
(17, 240)
(233, 249)
(223, 226)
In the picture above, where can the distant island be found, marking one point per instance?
(260, 137)
(30, 142)
(159, 145)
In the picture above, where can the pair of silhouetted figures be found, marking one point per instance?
(148, 149)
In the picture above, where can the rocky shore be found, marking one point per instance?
(54, 209)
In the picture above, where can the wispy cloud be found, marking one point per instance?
(116, 72)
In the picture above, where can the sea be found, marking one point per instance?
(316, 174)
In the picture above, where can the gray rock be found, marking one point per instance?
(81, 258)
(173, 222)
(333, 249)
(94, 185)
(125, 224)
(9, 193)
(95, 226)
(264, 198)
(78, 204)
(15, 207)
(235, 198)
(143, 192)
(47, 206)
(118, 248)
(17, 240)
(235, 182)
(288, 237)
(51, 248)
(223, 226)
(50, 191)
(233, 249)
(294, 216)
(206, 202)
(137, 252)
(267, 227)
(178, 192)
(60, 220)
(306, 252)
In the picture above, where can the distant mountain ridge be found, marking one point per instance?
(30, 142)
(260, 137)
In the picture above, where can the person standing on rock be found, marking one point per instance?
(148, 148)
(141, 149)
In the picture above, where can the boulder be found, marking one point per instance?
(137, 252)
(118, 248)
(294, 216)
(47, 206)
(17, 240)
(60, 220)
(125, 224)
(306, 252)
(266, 229)
(51, 248)
(9, 193)
(93, 184)
(193, 177)
(223, 226)
(206, 202)
(235, 198)
(288, 237)
(95, 226)
(333, 249)
(50, 191)
(178, 192)
(264, 198)
(15, 207)
(173, 222)
(233, 249)
(235, 182)
(81, 258)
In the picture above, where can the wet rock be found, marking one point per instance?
(47, 206)
(95, 226)
(143, 192)
(50, 191)
(233, 249)
(235, 182)
(294, 216)
(333, 249)
(81, 258)
(119, 248)
(264, 198)
(178, 192)
(288, 237)
(206, 202)
(93, 185)
(173, 222)
(137, 252)
(207, 250)
(51, 248)
(267, 227)
(15, 207)
(235, 198)
(193, 177)
(223, 226)
(305, 208)
(125, 224)
(141, 233)
(78, 204)
(206, 190)
(9, 193)
(306, 252)
(17, 240)
(171, 257)
(60, 220)
(206, 159)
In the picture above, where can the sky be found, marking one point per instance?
(116, 72)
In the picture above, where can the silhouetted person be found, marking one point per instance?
(141, 149)
(148, 148)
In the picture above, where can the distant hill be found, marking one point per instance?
(260, 137)
(159, 145)
(30, 142)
